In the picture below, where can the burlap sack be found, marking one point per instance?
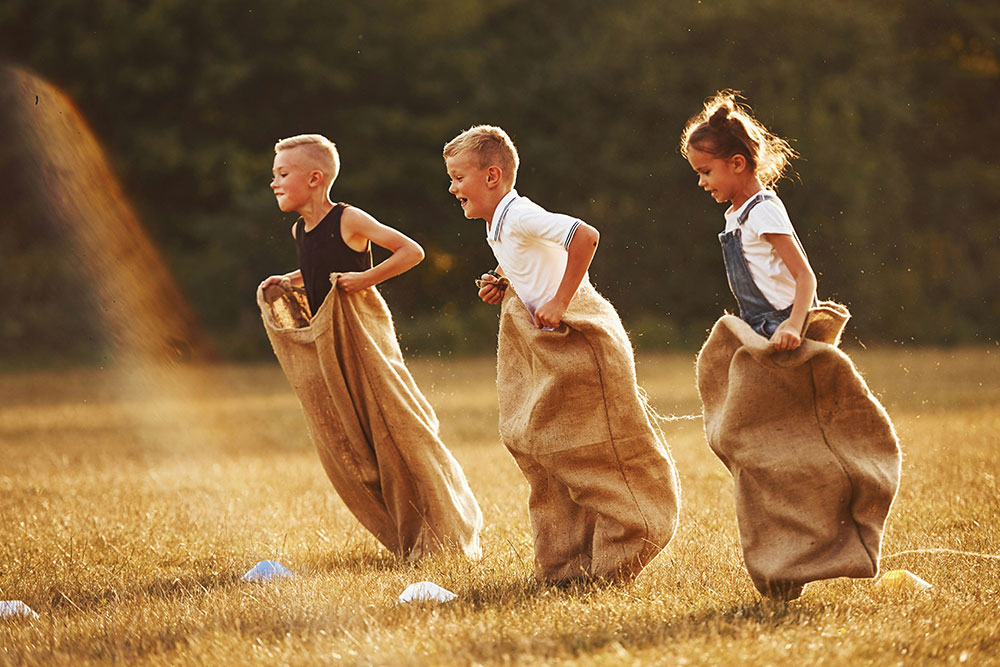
(814, 456)
(376, 434)
(604, 490)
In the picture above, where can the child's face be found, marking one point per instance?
(292, 183)
(471, 185)
(720, 177)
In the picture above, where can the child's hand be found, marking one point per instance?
(270, 280)
(491, 288)
(550, 314)
(353, 281)
(785, 337)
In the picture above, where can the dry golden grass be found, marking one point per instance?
(129, 516)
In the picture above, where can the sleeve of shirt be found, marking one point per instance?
(554, 227)
(769, 217)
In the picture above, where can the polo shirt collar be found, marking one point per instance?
(493, 233)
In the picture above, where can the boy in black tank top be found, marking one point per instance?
(323, 251)
(331, 238)
(375, 432)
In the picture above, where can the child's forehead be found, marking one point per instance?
(699, 157)
(466, 160)
(289, 158)
(283, 157)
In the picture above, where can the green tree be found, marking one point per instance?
(890, 106)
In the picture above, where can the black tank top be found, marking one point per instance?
(322, 251)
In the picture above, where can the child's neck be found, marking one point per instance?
(744, 194)
(314, 212)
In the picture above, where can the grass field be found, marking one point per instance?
(129, 516)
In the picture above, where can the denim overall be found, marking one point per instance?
(755, 309)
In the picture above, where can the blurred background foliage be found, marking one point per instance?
(892, 106)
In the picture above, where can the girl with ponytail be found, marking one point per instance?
(739, 161)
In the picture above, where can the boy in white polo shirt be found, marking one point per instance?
(604, 495)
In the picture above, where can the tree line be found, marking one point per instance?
(891, 106)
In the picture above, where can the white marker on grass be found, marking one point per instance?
(267, 570)
(10, 608)
(425, 591)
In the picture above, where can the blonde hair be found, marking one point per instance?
(724, 128)
(491, 145)
(321, 152)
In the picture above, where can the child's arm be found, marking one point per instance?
(357, 228)
(580, 253)
(788, 335)
(294, 276)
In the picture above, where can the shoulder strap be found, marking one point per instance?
(758, 198)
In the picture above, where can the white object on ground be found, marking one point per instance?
(426, 591)
(267, 570)
(902, 580)
(15, 608)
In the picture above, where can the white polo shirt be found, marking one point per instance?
(773, 278)
(530, 245)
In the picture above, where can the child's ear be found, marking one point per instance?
(739, 163)
(315, 178)
(493, 176)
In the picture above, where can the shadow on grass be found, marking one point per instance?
(501, 592)
(359, 559)
(183, 587)
(525, 588)
(637, 633)
(171, 636)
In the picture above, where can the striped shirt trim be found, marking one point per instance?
(503, 216)
(572, 231)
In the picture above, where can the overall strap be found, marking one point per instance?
(758, 198)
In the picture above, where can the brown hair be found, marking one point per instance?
(724, 128)
(491, 144)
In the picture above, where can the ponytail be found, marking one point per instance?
(725, 128)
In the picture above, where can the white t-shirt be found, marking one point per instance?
(773, 278)
(530, 246)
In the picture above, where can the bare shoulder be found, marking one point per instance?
(294, 225)
(357, 228)
(353, 215)
(357, 222)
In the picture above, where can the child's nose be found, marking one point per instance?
(451, 188)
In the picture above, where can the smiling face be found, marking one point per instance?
(294, 180)
(475, 187)
(723, 178)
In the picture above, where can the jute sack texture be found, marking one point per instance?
(814, 456)
(604, 489)
(376, 433)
